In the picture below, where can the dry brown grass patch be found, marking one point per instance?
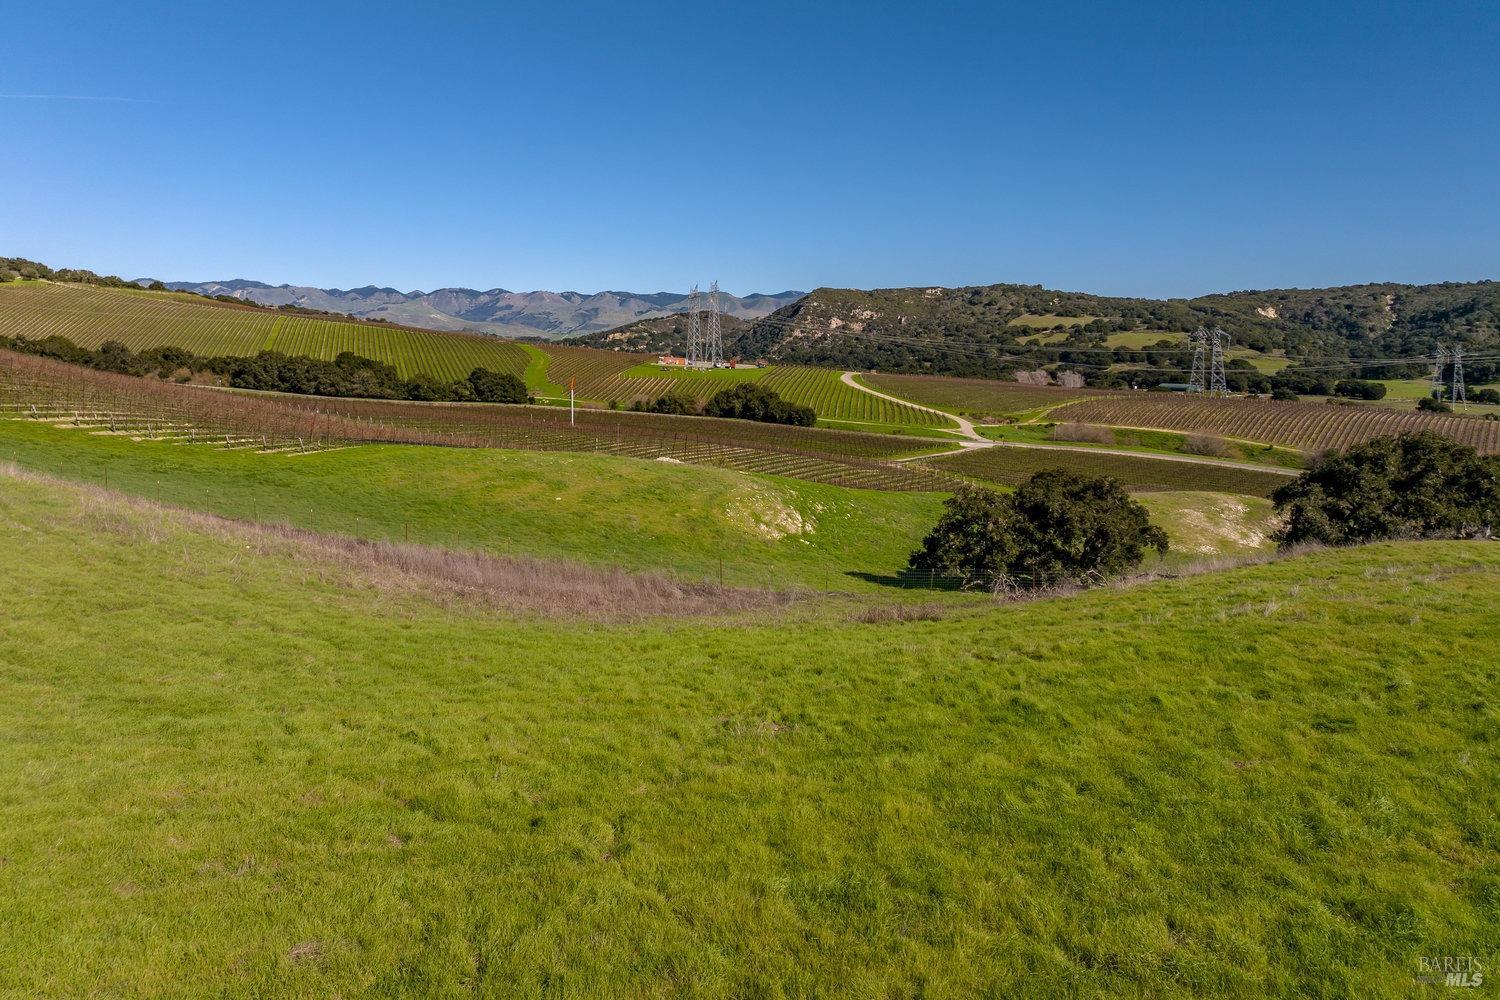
(511, 583)
(1091, 433)
(1207, 444)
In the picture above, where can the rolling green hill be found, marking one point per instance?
(993, 329)
(89, 315)
(1011, 466)
(699, 523)
(236, 767)
(692, 521)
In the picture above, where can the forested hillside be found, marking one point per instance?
(997, 329)
(661, 334)
(21, 269)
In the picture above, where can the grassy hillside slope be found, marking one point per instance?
(601, 510)
(231, 772)
(691, 521)
(1142, 473)
(89, 315)
(977, 330)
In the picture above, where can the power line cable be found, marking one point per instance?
(999, 353)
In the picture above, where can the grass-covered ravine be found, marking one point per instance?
(691, 521)
(232, 770)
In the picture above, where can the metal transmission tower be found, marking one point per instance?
(1198, 380)
(1439, 360)
(1458, 375)
(1218, 386)
(713, 347)
(695, 333)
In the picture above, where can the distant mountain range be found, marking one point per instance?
(512, 314)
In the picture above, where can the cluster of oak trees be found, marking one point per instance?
(746, 401)
(1060, 528)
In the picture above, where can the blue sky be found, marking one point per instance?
(1154, 149)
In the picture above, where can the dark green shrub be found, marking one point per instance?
(1056, 528)
(496, 387)
(1418, 485)
(1354, 388)
(749, 401)
(670, 403)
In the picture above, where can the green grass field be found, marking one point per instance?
(600, 510)
(248, 763)
(535, 373)
(1042, 339)
(1404, 393)
(88, 316)
(1048, 320)
(232, 771)
(690, 521)
(1140, 339)
(1011, 466)
(1148, 442)
(1406, 388)
(1266, 364)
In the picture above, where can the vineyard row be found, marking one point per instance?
(1309, 426)
(90, 316)
(607, 376)
(29, 384)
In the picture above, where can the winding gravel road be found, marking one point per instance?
(973, 439)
